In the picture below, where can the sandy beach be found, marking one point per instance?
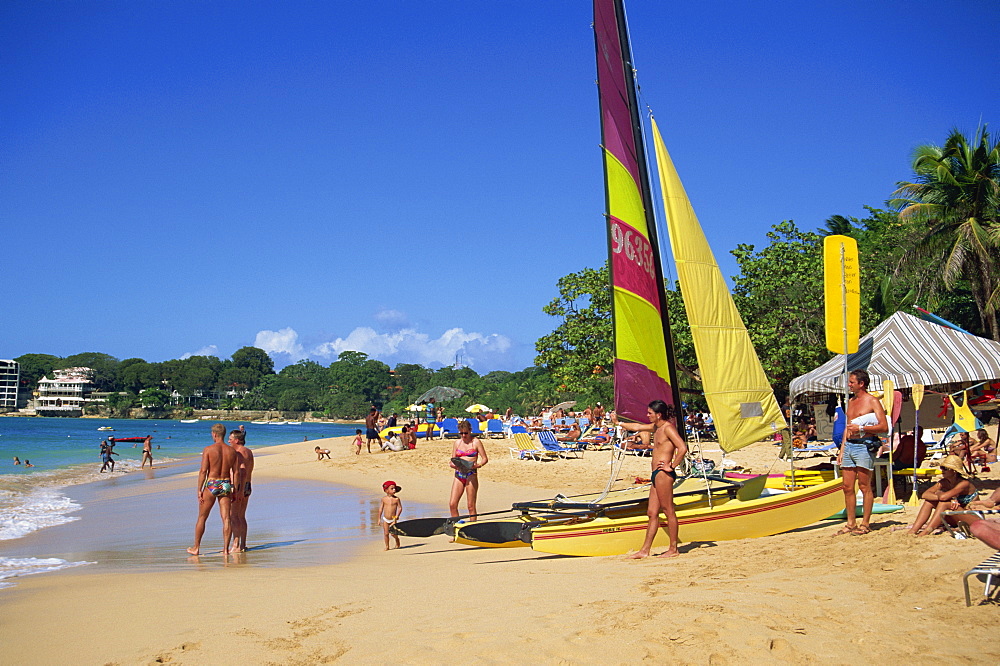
(802, 597)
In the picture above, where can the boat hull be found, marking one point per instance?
(514, 531)
(727, 520)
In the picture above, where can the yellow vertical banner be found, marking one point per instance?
(842, 293)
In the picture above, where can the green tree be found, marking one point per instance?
(119, 403)
(956, 193)
(193, 375)
(779, 293)
(153, 398)
(136, 374)
(35, 366)
(578, 353)
(105, 367)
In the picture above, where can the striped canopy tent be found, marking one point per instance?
(908, 351)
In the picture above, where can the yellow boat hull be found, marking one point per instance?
(506, 530)
(727, 520)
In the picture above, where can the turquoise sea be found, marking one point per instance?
(40, 505)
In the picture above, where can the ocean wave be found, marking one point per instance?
(32, 502)
(12, 567)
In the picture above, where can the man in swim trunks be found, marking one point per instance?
(147, 451)
(865, 420)
(215, 481)
(241, 490)
(371, 422)
(430, 419)
(668, 452)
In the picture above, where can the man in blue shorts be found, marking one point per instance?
(371, 427)
(865, 420)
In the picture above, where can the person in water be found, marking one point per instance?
(390, 511)
(865, 420)
(468, 455)
(669, 450)
(215, 482)
(243, 475)
(17, 461)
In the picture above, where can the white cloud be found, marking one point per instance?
(285, 341)
(410, 346)
(392, 319)
(207, 350)
(482, 352)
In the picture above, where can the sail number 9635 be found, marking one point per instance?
(635, 247)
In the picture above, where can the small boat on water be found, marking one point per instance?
(259, 422)
(277, 422)
(106, 428)
(294, 423)
(189, 420)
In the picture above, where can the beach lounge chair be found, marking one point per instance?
(449, 428)
(549, 442)
(990, 567)
(474, 424)
(494, 428)
(525, 447)
(518, 429)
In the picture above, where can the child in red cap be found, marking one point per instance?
(392, 507)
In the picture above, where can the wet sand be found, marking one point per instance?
(802, 597)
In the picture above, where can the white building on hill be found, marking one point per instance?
(66, 393)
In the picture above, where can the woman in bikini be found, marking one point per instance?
(952, 493)
(984, 451)
(468, 455)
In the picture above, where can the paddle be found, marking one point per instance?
(887, 400)
(917, 392)
(428, 527)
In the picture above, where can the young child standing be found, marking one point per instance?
(392, 507)
(357, 442)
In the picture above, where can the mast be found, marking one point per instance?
(644, 366)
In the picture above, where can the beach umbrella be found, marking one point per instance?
(439, 393)
(475, 409)
(564, 405)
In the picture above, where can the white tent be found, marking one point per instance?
(908, 351)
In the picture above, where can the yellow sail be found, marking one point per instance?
(738, 393)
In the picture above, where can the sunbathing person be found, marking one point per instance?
(952, 493)
(573, 435)
(984, 451)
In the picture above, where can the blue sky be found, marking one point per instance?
(410, 179)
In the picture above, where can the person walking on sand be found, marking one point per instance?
(371, 423)
(357, 442)
(147, 451)
(865, 420)
(391, 509)
(215, 482)
(668, 452)
(429, 418)
(243, 475)
(468, 455)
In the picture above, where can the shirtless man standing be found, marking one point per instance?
(371, 425)
(147, 451)
(865, 419)
(241, 491)
(668, 452)
(215, 481)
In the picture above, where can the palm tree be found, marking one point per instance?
(957, 194)
(838, 225)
